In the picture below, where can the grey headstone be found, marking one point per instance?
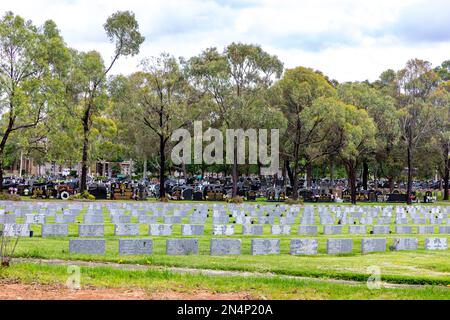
(220, 219)
(55, 230)
(404, 244)
(304, 246)
(308, 230)
(126, 229)
(373, 245)
(339, 246)
(120, 219)
(34, 219)
(328, 229)
(176, 247)
(16, 230)
(197, 219)
(220, 247)
(91, 218)
(436, 244)
(135, 246)
(172, 219)
(192, 229)
(65, 218)
(444, 229)
(403, 229)
(87, 246)
(7, 219)
(425, 229)
(265, 246)
(253, 229)
(357, 229)
(91, 230)
(160, 230)
(381, 229)
(281, 229)
(147, 219)
(223, 230)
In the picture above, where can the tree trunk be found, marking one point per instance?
(84, 159)
(144, 171)
(446, 173)
(352, 181)
(235, 172)
(309, 175)
(331, 172)
(295, 173)
(162, 168)
(289, 172)
(365, 175)
(409, 187)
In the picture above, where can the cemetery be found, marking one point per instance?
(228, 173)
(285, 239)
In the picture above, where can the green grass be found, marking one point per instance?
(154, 281)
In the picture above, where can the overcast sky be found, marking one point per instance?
(348, 40)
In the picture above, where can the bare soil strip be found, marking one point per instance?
(17, 291)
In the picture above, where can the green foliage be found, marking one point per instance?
(85, 195)
(9, 197)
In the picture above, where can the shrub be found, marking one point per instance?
(7, 247)
(82, 196)
(9, 197)
(164, 199)
(236, 200)
(293, 202)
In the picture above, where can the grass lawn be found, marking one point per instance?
(156, 281)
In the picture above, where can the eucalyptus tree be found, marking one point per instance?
(381, 108)
(32, 60)
(235, 80)
(162, 101)
(87, 85)
(308, 122)
(418, 119)
(357, 132)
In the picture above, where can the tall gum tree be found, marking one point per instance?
(31, 59)
(88, 83)
(235, 80)
(295, 95)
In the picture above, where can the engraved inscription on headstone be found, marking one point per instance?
(176, 247)
(135, 246)
(221, 247)
(373, 245)
(304, 246)
(265, 246)
(339, 246)
(87, 246)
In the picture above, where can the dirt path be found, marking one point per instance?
(206, 272)
(17, 291)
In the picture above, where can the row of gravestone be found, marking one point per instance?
(217, 219)
(98, 230)
(258, 246)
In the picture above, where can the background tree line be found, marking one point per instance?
(59, 104)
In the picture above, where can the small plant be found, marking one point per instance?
(164, 199)
(85, 195)
(236, 200)
(293, 202)
(9, 197)
(7, 247)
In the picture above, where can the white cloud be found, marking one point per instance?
(345, 39)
